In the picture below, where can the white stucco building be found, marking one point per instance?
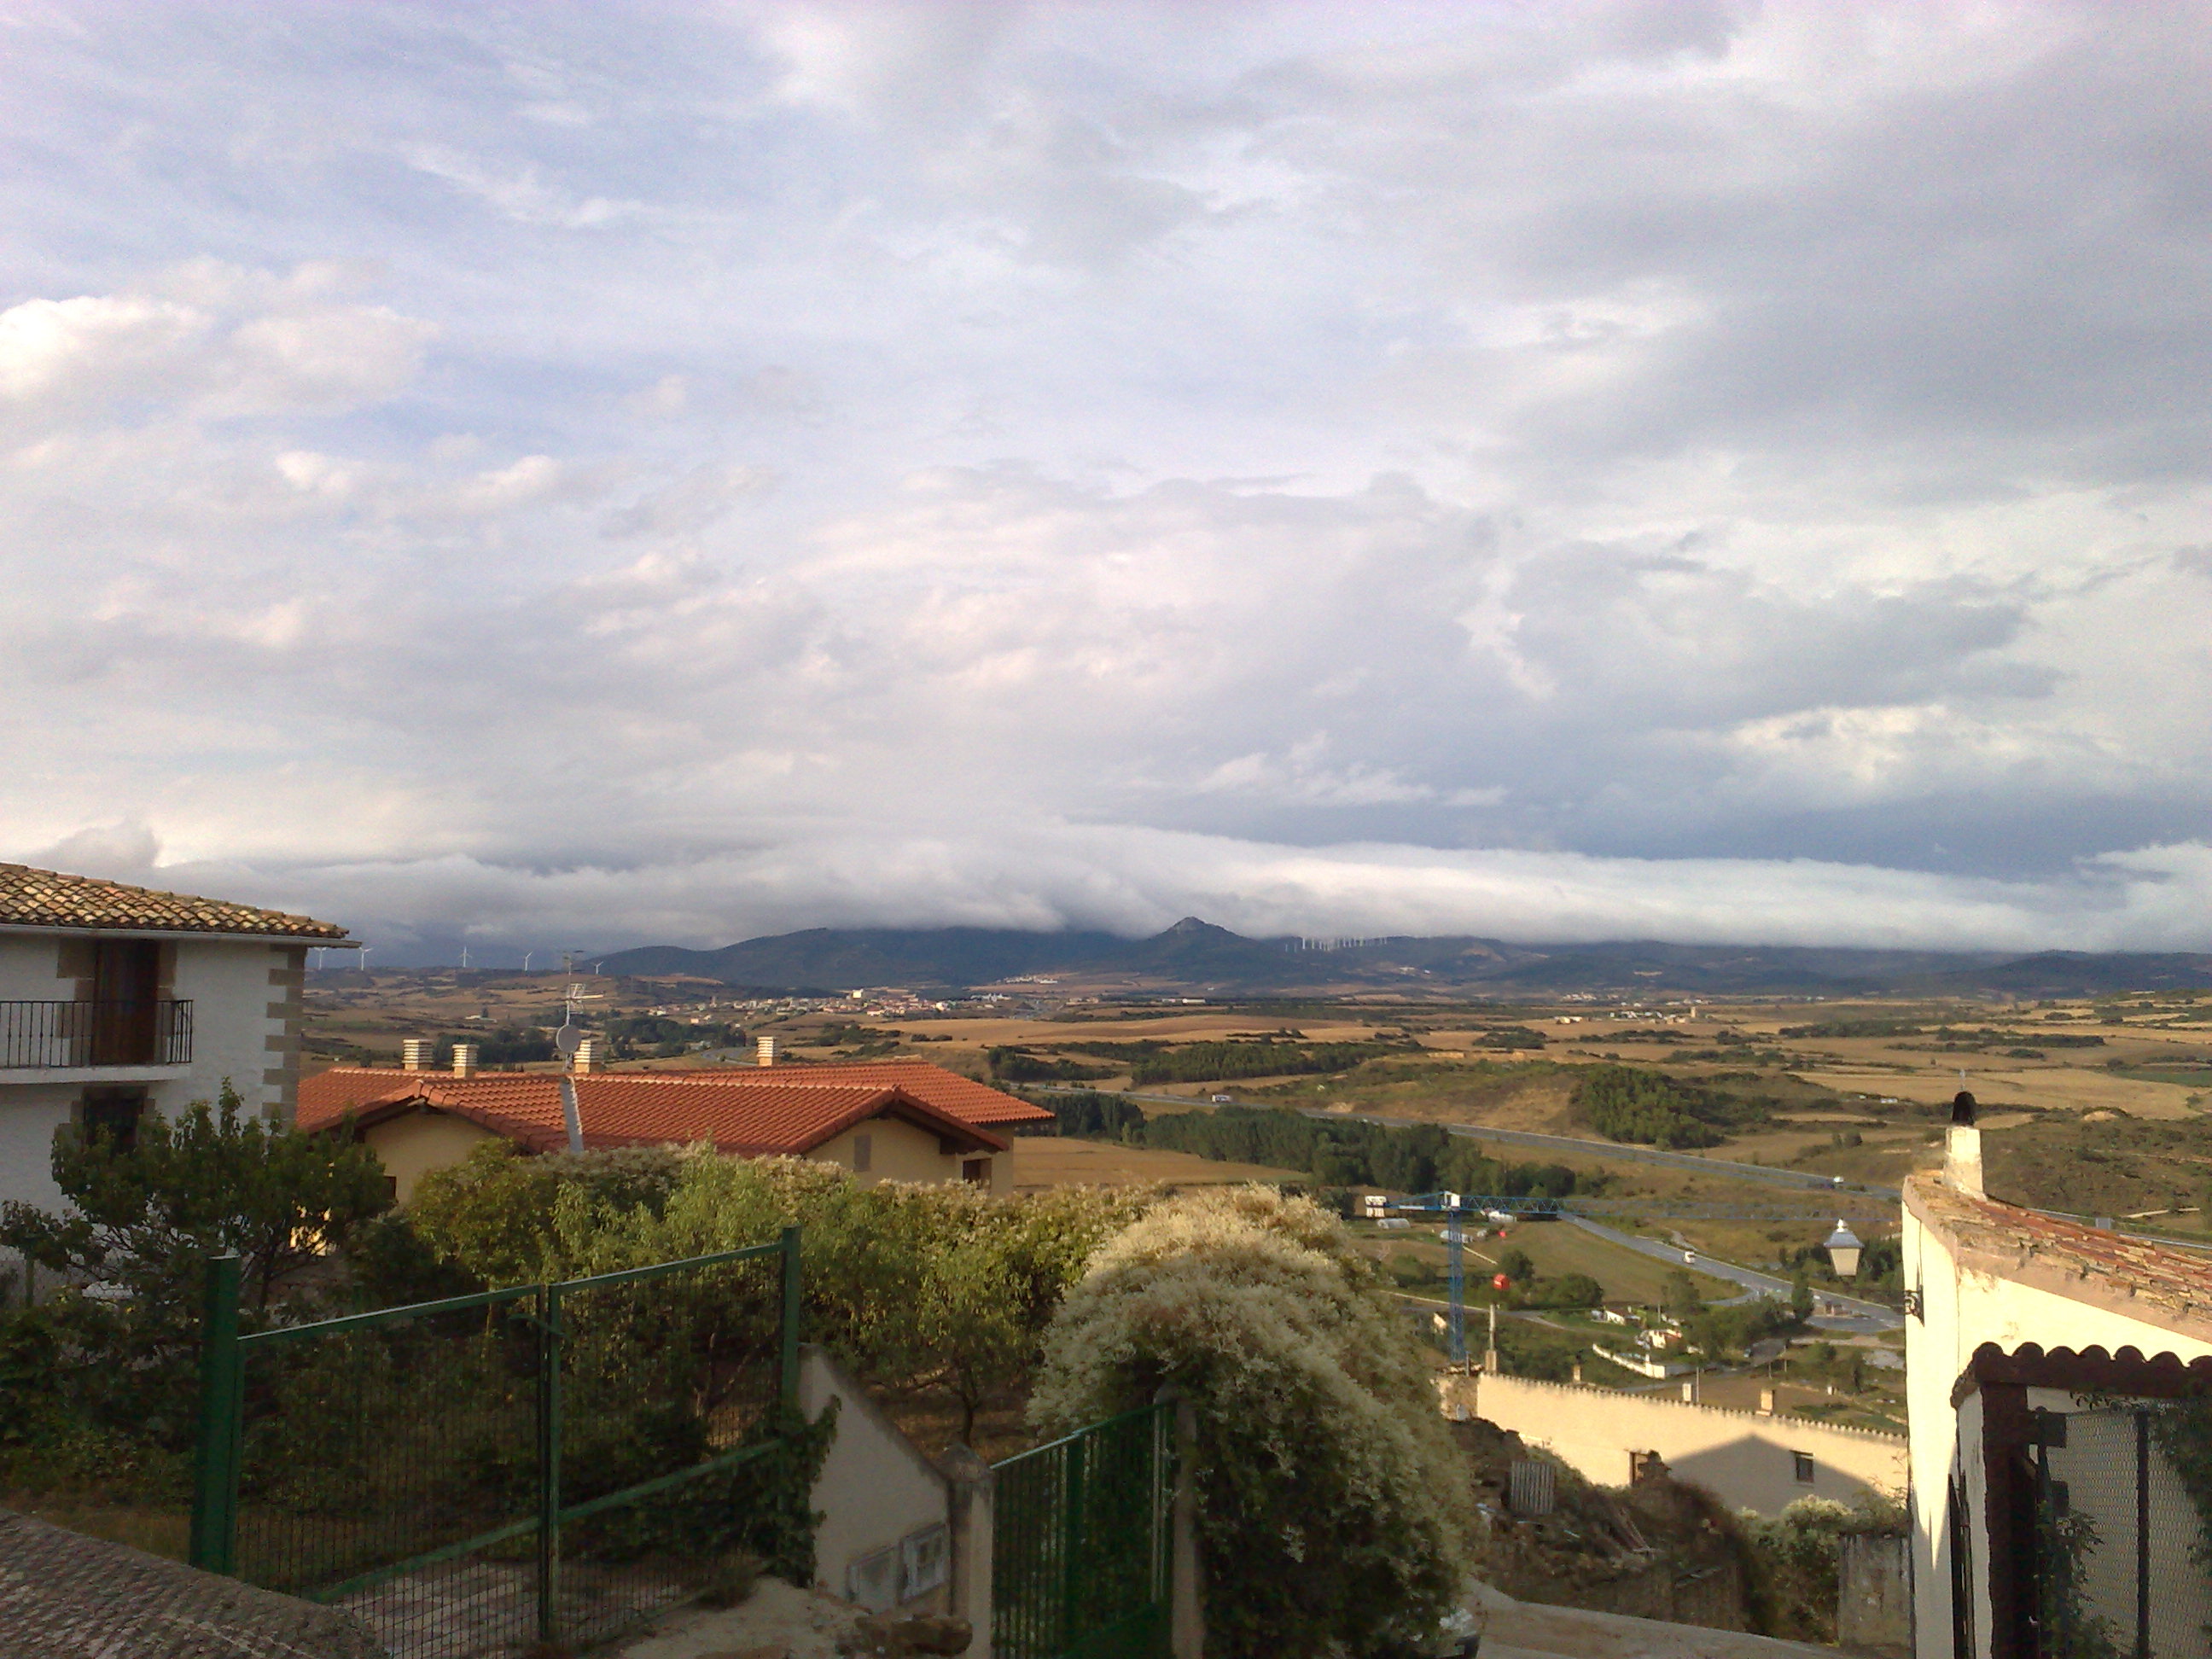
(116, 1001)
(2050, 1364)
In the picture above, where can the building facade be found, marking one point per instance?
(118, 1001)
(2059, 1375)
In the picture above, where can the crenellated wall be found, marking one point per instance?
(1745, 1459)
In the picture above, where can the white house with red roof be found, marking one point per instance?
(882, 1123)
(116, 1002)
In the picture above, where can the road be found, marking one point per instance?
(1713, 1166)
(1864, 1315)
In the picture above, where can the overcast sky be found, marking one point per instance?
(596, 474)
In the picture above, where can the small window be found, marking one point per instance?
(976, 1171)
(113, 1113)
(864, 1153)
(391, 1189)
(1800, 1465)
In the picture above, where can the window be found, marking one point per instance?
(114, 1113)
(976, 1171)
(864, 1153)
(1801, 1464)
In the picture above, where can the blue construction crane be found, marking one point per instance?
(1455, 1207)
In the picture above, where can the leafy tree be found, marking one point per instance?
(1678, 1295)
(147, 1216)
(1328, 1491)
(1514, 1263)
(1801, 1299)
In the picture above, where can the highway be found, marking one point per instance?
(1864, 1315)
(1796, 1179)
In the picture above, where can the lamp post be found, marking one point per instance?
(1843, 1248)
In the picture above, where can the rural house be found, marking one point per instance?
(2061, 1385)
(419, 1121)
(116, 1002)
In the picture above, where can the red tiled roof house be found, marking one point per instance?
(879, 1127)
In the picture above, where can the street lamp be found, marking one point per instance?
(1843, 1248)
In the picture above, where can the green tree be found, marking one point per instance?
(1514, 1263)
(1678, 1295)
(1800, 1299)
(146, 1216)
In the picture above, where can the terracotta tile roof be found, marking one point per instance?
(2158, 1284)
(750, 1119)
(47, 898)
(962, 1097)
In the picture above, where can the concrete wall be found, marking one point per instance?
(876, 1492)
(1743, 1459)
(1873, 1595)
(1962, 1308)
(245, 1005)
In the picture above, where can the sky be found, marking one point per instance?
(586, 475)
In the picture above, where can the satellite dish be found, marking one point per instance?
(568, 1040)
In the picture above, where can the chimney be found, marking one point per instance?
(588, 1055)
(1766, 1402)
(415, 1054)
(464, 1059)
(1962, 1159)
(766, 1048)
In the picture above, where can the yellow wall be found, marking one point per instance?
(1743, 1458)
(413, 1146)
(900, 1151)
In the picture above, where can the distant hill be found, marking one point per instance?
(1193, 956)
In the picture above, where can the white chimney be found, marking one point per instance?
(415, 1054)
(766, 1048)
(464, 1059)
(588, 1055)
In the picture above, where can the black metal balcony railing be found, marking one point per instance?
(50, 1035)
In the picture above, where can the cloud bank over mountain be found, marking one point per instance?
(1708, 472)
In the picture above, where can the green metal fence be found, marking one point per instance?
(545, 1464)
(1081, 1543)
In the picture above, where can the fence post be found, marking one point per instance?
(214, 1474)
(787, 1374)
(1186, 1595)
(973, 1515)
(549, 1466)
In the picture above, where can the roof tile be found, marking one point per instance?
(751, 1118)
(48, 898)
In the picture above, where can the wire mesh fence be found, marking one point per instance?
(1081, 1542)
(472, 1478)
(2122, 1544)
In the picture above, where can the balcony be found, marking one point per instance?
(81, 1035)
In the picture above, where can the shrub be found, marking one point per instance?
(1326, 1485)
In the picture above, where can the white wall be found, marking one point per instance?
(244, 996)
(876, 1488)
(1963, 1307)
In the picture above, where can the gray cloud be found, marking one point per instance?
(1712, 470)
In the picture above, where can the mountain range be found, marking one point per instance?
(1197, 956)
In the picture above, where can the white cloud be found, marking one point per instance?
(697, 472)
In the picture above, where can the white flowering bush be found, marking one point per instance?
(1328, 1491)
